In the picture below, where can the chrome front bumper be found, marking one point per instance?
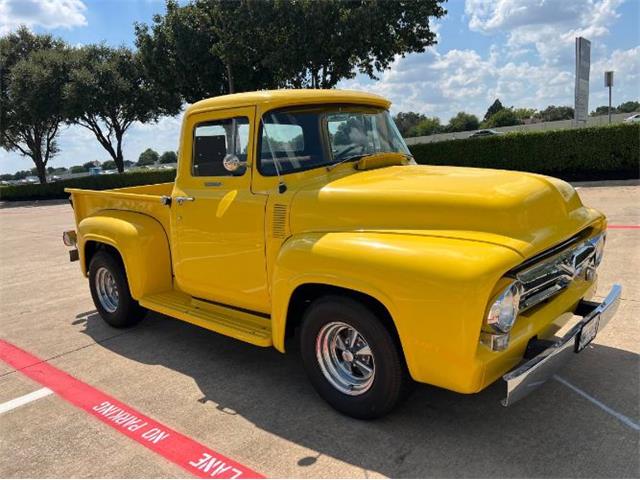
(530, 375)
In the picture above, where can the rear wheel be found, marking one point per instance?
(110, 291)
(351, 358)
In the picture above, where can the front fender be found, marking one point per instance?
(141, 242)
(435, 289)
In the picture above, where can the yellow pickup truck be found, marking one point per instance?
(305, 211)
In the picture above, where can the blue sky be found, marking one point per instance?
(521, 51)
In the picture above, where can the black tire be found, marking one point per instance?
(391, 381)
(128, 312)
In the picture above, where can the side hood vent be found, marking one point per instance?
(279, 222)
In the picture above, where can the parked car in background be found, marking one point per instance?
(633, 118)
(484, 133)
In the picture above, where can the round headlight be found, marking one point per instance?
(504, 310)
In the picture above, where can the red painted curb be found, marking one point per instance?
(179, 449)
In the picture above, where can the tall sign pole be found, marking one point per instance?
(583, 65)
(608, 82)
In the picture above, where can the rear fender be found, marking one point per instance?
(141, 242)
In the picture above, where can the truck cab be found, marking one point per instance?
(304, 210)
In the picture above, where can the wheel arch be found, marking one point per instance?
(305, 294)
(138, 240)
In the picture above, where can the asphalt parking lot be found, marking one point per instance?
(255, 405)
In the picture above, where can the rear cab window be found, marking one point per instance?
(214, 141)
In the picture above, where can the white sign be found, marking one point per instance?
(608, 79)
(583, 65)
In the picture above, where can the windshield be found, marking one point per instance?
(301, 139)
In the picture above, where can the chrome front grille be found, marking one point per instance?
(554, 273)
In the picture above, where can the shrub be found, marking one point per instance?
(504, 118)
(91, 182)
(169, 157)
(148, 157)
(598, 153)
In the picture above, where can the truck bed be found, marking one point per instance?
(144, 199)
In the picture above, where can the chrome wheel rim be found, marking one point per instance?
(107, 290)
(345, 358)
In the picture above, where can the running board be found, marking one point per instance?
(227, 321)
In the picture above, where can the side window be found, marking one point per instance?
(213, 141)
(290, 141)
(283, 138)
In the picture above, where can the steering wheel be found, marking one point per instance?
(348, 149)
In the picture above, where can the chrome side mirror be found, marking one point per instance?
(232, 163)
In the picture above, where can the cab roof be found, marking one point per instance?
(268, 99)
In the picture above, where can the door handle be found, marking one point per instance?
(181, 200)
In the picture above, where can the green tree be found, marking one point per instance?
(463, 122)
(169, 157)
(33, 73)
(405, 121)
(181, 49)
(77, 169)
(324, 42)
(108, 91)
(553, 113)
(628, 107)
(428, 126)
(211, 47)
(495, 107)
(109, 165)
(148, 157)
(91, 164)
(503, 118)
(524, 113)
(602, 110)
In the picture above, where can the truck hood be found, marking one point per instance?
(525, 212)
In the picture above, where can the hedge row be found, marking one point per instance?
(597, 153)
(91, 182)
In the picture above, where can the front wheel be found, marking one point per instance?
(110, 291)
(351, 358)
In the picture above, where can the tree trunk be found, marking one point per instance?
(118, 158)
(41, 166)
(232, 87)
(42, 173)
(36, 156)
(105, 140)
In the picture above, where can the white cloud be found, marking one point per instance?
(549, 25)
(46, 14)
(626, 81)
(530, 64)
(443, 84)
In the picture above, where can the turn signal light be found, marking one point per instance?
(69, 238)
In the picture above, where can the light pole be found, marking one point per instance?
(608, 82)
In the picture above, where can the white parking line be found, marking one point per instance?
(623, 418)
(23, 400)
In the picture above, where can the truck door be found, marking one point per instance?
(217, 224)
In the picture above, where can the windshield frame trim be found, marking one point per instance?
(324, 131)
